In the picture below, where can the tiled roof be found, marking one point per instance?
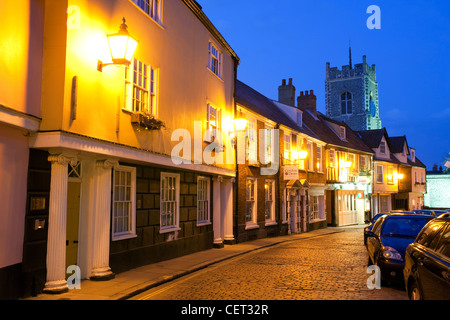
(258, 103)
(398, 143)
(372, 138)
(320, 126)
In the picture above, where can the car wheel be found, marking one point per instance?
(414, 292)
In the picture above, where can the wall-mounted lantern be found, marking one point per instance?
(122, 47)
(240, 123)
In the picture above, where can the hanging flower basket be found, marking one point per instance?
(147, 121)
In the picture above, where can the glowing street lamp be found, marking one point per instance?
(122, 47)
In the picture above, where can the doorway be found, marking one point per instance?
(73, 215)
(295, 207)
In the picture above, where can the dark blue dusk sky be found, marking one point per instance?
(284, 39)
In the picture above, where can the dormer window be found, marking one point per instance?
(299, 118)
(346, 103)
(342, 134)
(413, 155)
(383, 147)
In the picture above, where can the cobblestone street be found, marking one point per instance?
(330, 267)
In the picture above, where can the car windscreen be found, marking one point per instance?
(403, 226)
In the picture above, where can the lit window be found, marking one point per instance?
(268, 139)
(123, 203)
(309, 147)
(250, 210)
(251, 142)
(215, 59)
(203, 216)
(269, 189)
(287, 147)
(140, 88)
(214, 122)
(390, 176)
(170, 201)
(346, 103)
(319, 159)
(331, 158)
(151, 7)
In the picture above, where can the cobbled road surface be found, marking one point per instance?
(329, 267)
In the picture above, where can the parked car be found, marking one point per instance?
(427, 262)
(432, 212)
(444, 215)
(387, 242)
(370, 226)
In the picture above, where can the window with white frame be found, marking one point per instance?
(331, 158)
(314, 207)
(213, 122)
(203, 196)
(269, 189)
(379, 173)
(299, 118)
(268, 140)
(251, 137)
(250, 209)
(342, 133)
(141, 88)
(301, 162)
(353, 164)
(319, 165)
(287, 147)
(123, 203)
(309, 147)
(363, 163)
(151, 7)
(170, 201)
(215, 59)
(390, 175)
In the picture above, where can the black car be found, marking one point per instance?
(370, 226)
(427, 262)
(387, 242)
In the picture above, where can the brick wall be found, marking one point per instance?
(150, 245)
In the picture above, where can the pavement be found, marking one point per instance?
(133, 282)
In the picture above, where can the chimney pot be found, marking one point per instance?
(290, 80)
(301, 93)
(311, 92)
(283, 82)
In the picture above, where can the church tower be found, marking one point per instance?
(351, 95)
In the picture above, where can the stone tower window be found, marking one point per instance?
(346, 103)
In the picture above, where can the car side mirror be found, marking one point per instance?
(371, 234)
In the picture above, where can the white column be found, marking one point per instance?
(227, 205)
(56, 243)
(217, 216)
(102, 218)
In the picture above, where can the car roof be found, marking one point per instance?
(412, 215)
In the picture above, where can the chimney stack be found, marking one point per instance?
(286, 93)
(307, 100)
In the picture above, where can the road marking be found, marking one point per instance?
(166, 288)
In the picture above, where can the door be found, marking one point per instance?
(73, 213)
